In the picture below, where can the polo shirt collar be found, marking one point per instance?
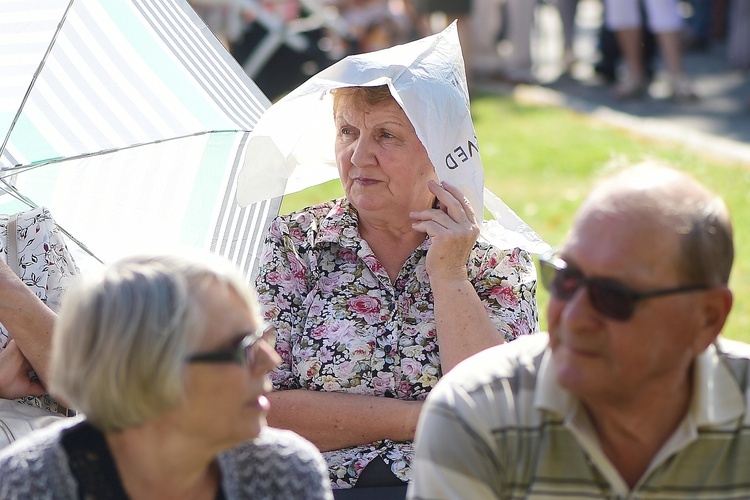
(717, 398)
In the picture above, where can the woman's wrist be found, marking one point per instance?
(409, 419)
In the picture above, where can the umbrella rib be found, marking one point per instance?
(34, 78)
(11, 190)
(8, 171)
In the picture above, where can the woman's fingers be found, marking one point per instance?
(453, 228)
(449, 203)
(453, 209)
(454, 201)
(14, 374)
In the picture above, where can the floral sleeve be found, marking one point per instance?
(506, 283)
(281, 286)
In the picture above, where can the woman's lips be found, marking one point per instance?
(365, 181)
(263, 403)
(260, 403)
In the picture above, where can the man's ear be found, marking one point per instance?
(715, 310)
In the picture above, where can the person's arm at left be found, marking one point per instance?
(461, 320)
(336, 420)
(14, 374)
(28, 320)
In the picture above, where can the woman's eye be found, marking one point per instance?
(387, 135)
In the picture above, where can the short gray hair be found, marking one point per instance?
(120, 343)
(663, 195)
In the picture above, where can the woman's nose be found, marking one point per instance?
(362, 155)
(266, 359)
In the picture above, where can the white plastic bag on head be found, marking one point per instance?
(292, 145)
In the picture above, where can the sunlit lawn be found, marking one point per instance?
(542, 161)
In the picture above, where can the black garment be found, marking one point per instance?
(376, 482)
(610, 52)
(448, 6)
(92, 464)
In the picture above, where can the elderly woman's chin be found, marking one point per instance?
(225, 422)
(244, 428)
(366, 197)
(257, 417)
(376, 201)
(251, 420)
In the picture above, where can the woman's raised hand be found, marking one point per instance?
(453, 229)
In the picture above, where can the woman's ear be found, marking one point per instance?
(715, 309)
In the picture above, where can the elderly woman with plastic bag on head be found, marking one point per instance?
(168, 359)
(377, 294)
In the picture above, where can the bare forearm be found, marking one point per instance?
(334, 420)
(462, 323)
(28, 320)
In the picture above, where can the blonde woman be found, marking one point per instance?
(168, 359)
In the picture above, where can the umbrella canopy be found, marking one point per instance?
(128, 120)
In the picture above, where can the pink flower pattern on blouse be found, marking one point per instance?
(343, 326)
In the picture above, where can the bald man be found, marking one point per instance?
(633, 393)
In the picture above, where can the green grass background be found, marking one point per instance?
(543, 160)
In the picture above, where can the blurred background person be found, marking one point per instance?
(373, 24)
(458, 10)
(168, 359)
(487, 25)
(610, 55)
(505, 31)
(225, 18)
(738, 35)
(664, 20)
(567, 10)
(518, 66)
(699, 25)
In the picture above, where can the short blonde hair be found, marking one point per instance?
(120, 343)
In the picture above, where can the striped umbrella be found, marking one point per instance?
(128, 120)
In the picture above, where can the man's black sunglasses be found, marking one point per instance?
(609, 297)
(244, 353)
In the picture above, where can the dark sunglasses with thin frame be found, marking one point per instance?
(609, 297)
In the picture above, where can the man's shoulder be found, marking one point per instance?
(518, 359)
(507, 356)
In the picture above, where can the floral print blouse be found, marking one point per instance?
(344, 326)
